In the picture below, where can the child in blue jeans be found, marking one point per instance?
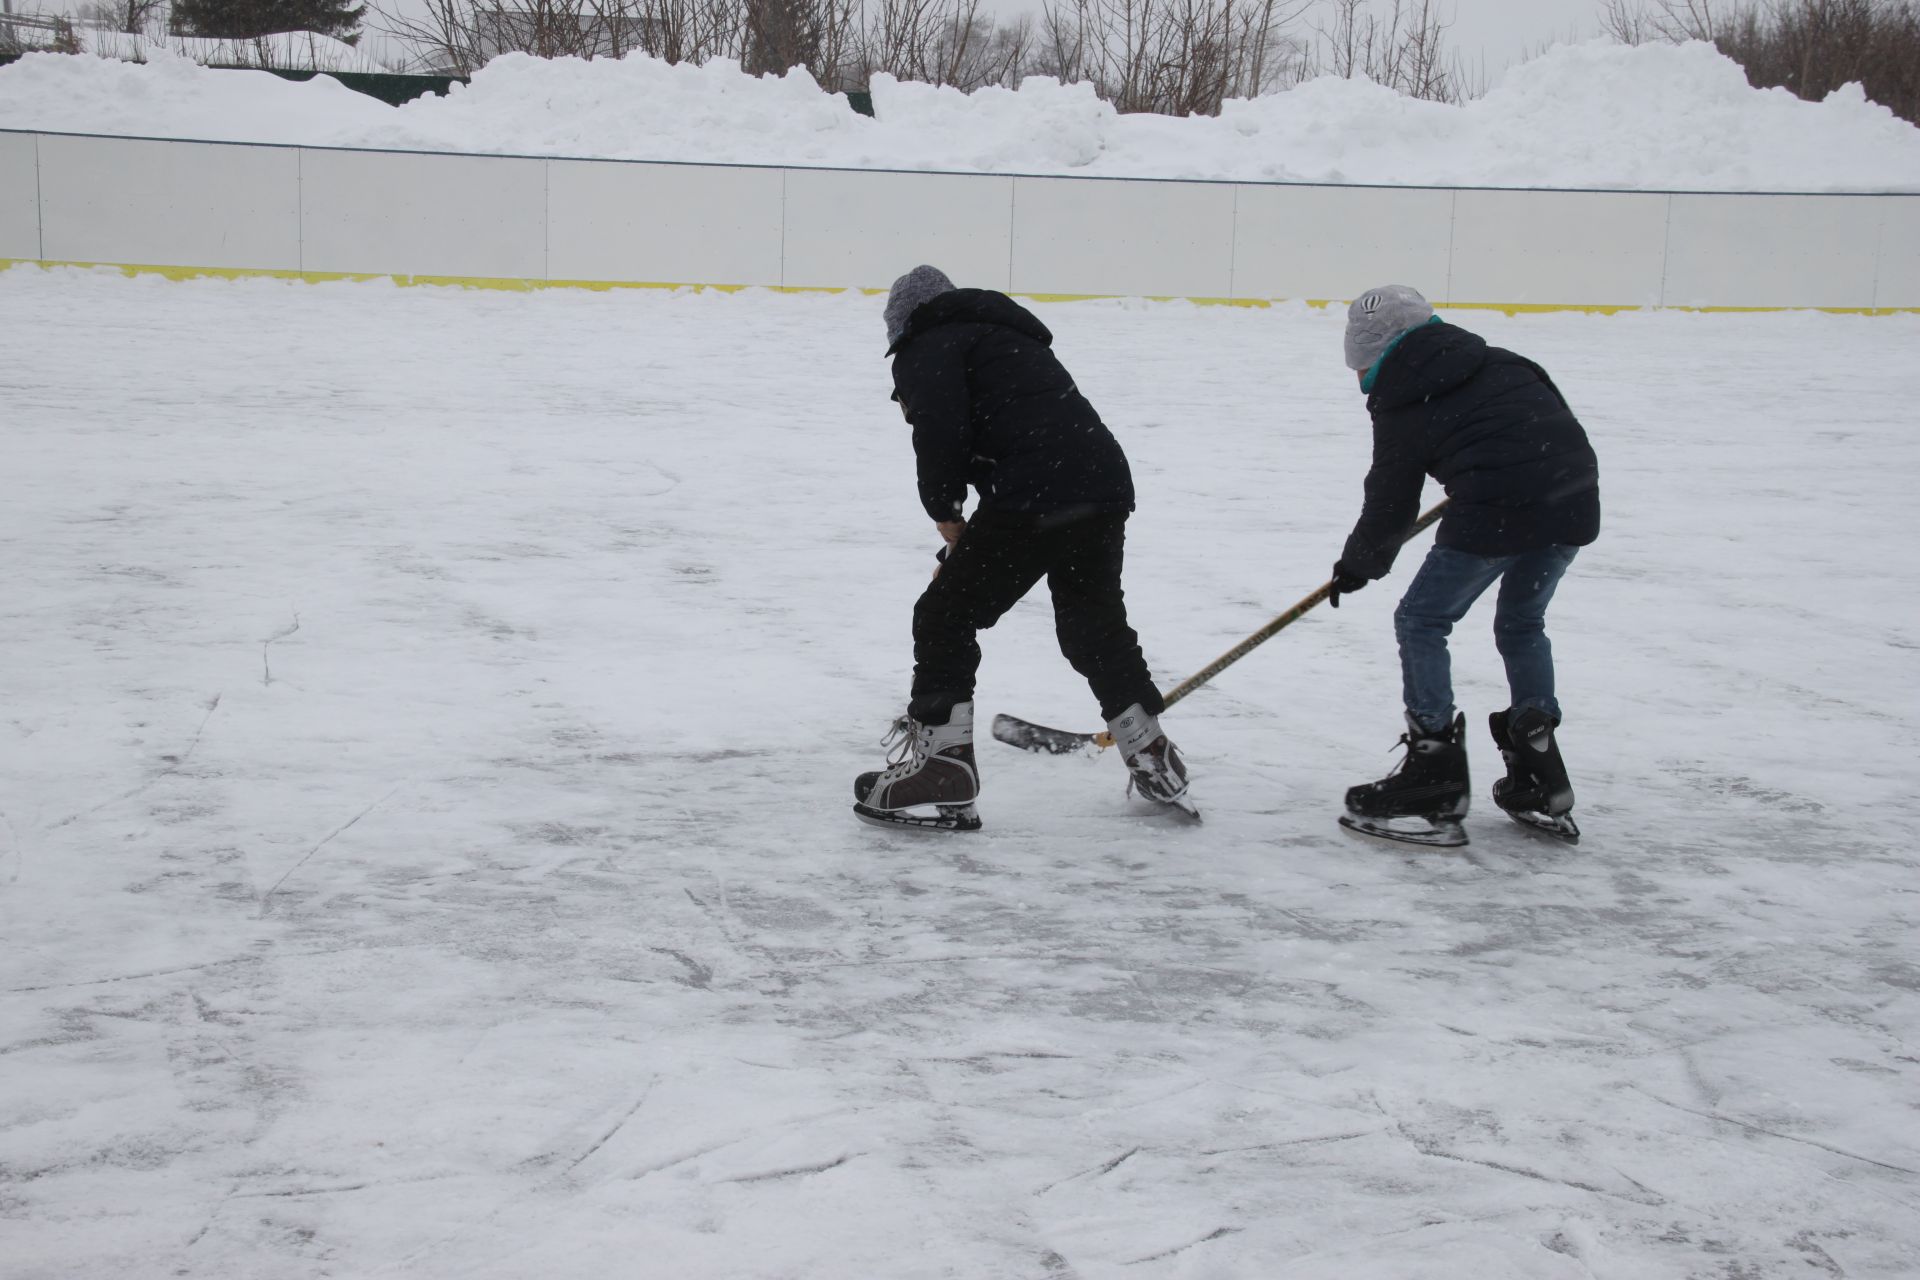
(1523, 491)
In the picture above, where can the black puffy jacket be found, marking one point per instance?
(1492, 428)
(990, 404)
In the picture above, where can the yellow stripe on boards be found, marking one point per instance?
(519, 285)
(508, 283)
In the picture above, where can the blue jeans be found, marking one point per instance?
(1440, 595)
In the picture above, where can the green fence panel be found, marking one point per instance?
(393, 90)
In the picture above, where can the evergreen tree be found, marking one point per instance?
(244, 19)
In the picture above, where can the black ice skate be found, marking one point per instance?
(1423, 800)
(1535, 793)
(930, 781)
(1154, 766)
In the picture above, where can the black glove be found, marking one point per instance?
(1345, 581)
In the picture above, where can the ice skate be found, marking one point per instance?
(1536, 792)
(1154, 766)
(930, 781)
(1423, 800)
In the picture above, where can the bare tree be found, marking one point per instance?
(918, 40)
(1628, 22)
(1404, 49)
(459, 36)
(1173, 56)
(685, 30)
(133, 17)
(819, 35)
(1176, 57)
(1650, 21)
(993, 54)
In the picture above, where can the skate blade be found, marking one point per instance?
(1560, 827)
(1183, 805)
(945, 817)
(1442, 833)
(1180, 807)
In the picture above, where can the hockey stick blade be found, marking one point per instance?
(1028, 736)
(1034, 737)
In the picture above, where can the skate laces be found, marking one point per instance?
(1405, 747)
(906, 744)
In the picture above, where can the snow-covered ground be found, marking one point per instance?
(1589, 115)
(425, 739)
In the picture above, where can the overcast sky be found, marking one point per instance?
(1503, 30)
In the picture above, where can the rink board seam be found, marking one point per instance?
(528, 284)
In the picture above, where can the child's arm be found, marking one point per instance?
(1392, 504)
(930, 381)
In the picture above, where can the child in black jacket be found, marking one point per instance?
(1523, 493)
(991, 406)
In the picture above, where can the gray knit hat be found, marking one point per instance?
(922, 284)
(1377, 317)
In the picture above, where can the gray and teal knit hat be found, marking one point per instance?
(1377, 317)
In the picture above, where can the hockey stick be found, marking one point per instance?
(1028, 736)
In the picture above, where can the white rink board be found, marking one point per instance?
(428, 215)
(866, 229)
(1772, 251)
(1542, 247)
(169, 203)
(662, 223)
(153, 202)
(1101, 236)
(1335, 242)
(1898, 279)
(19, 197)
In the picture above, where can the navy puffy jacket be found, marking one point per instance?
(990, 404)
(1492, 428)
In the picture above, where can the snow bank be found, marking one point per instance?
(1590, 115)
(172, 96)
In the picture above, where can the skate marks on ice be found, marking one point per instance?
(1553, 1148)
(956, 1040)
(165, 766)
(611, 976)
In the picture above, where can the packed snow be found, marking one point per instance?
(425, 757)
(1589, 115)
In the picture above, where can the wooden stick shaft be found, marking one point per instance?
(1282, 622)
(1104, 739)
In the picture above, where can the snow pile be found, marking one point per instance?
(172, 96)
(1599, 115)
(1591, 115)
(635, 108)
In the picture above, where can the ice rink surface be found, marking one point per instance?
(426, 731)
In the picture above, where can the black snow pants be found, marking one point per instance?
(997, 561)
